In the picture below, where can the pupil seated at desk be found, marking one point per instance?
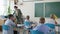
(42, 27)
(27, 23)
(52, 19)
(8, 25)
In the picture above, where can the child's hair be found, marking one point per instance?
(27, 16)
(10, 15)
(52, 16)
(42, 20)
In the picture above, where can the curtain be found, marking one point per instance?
(4, 4)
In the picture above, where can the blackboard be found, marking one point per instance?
(39, 9)
(52, 8)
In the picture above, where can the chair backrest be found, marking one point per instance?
(50, 25)
(26, 23)
(53, 32)
(52, 28)
(5, 27)
(36, 32)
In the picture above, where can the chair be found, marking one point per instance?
(52, 28)
(50, 25)
(36, 32)
(28, 24)
(5, 27)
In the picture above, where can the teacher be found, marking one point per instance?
(18, 14)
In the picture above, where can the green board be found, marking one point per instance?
(52, 8)
(38, 9)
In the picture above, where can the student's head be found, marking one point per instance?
(27, 17)
(15, 7)
(42, 20)
(10, 16)
(52, 16)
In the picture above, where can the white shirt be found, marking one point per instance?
(37, 26)
(11, 24)
(51, 21)
(16, 12)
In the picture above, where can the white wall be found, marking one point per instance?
(28, 9)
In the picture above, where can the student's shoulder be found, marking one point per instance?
(44, 26)
(7, 22)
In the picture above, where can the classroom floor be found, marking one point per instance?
(0, 32)
(21, 32)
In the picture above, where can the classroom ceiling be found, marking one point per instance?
(32, 0)
(27, 0)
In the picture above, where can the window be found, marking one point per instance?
(4, 4)
(2, 7)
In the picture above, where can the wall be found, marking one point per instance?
(28, 9)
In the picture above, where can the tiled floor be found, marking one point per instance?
(21, 31)
(26, 32)
(0, 32)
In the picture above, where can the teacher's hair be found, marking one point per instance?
(15, 7)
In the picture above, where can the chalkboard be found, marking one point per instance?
(52, 8)
(39, 10)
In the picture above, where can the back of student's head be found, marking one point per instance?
(10, 15)
(42, 20)
(52, 16)
(28, 17)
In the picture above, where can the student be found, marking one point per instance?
(27, 25)
(27, 22)
(42, 27)
(52, 19)
(9, 22)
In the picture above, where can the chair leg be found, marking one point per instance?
(24, 31)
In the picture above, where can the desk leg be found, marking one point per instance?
(26, 31)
